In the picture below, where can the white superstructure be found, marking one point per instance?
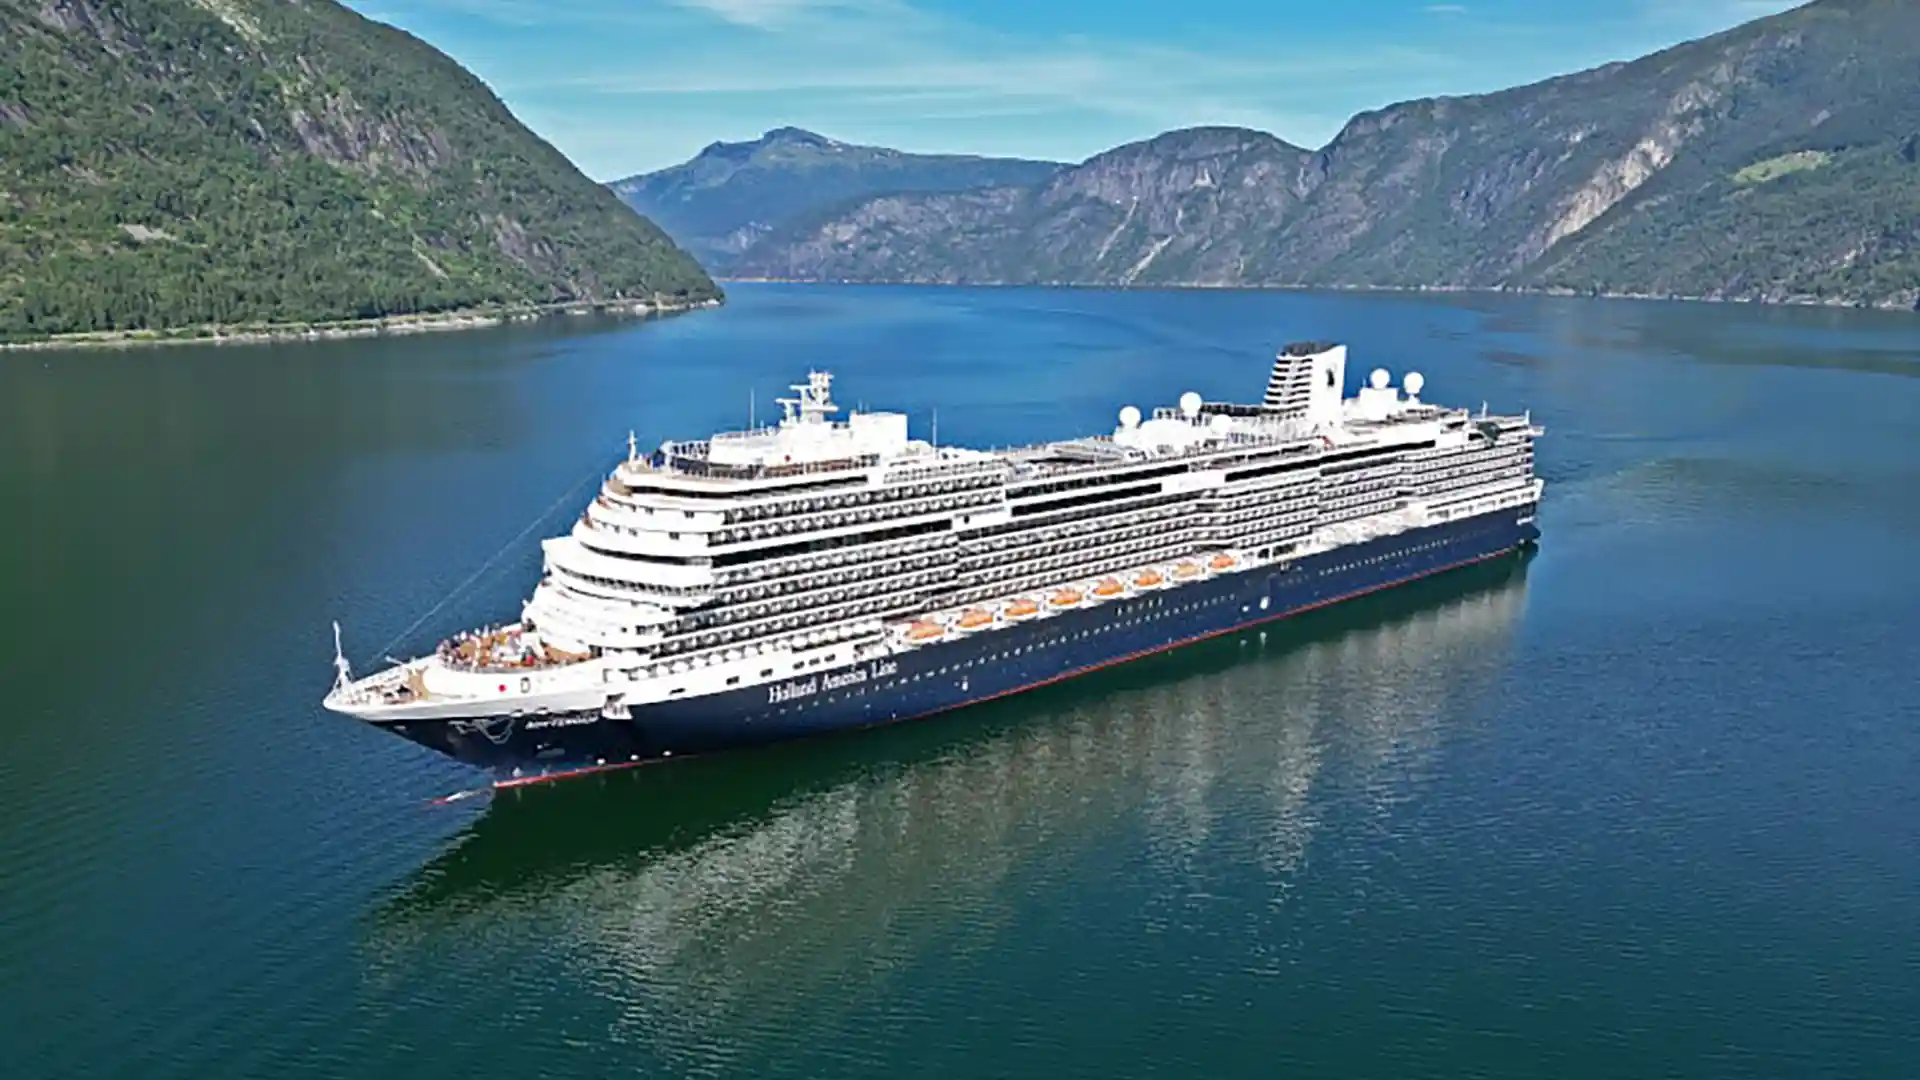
(755, 556)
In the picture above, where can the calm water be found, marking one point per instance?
(1645, 805)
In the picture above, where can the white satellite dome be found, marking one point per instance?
(1129, 417)
(1379, 379)
(1190, 403)
(1220, 422)
(1414, 382)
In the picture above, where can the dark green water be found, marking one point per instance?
(1647, 805)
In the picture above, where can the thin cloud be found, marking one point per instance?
(582, 71)
(590, 15)
(1707, 16)
(957, 63)
(778, 14)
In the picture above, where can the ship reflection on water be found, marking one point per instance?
(755, 884)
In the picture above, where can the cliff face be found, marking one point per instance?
(731, 195)
(176, 163)
(1773, 161)
(1188, 205)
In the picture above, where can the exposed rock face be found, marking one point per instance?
(1618, 179)
(1185, 206)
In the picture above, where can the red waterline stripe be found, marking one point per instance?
(589, 770)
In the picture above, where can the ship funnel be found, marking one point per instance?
(1308, 380)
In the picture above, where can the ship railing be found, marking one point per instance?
(545, 661)
(1034, 460)
(985, 467)
(1361, 529)
(372, 689)
(1486, 501)
(689, 459)
(784, 630)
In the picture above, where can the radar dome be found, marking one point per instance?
(1220, 422)
(1129, 417)
(1414, 382)
(1379, 379)
(1190, 403)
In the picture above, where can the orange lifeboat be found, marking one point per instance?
(1148, 579)
(1186, 570)
(1107, 587)
(1022, 608)
(923, 630)
(1065, 598)
(1222, 562)
(974, 619)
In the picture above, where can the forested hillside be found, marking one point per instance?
(173, 163)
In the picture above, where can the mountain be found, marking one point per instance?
(1190, 205)
(1775, 161)
(731, 194)
(181, 163)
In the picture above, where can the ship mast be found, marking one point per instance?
(342, 671)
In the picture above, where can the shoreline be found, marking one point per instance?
(1895, 306)
(344, 329)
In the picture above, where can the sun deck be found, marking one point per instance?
(504, 650)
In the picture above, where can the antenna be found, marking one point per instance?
(343, 672)
(936, 427)
(633, 455)
(752, 410)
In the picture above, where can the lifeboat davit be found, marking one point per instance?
(1065, 598)
(1148, 579)
(974, 619)
(1108, 587)
(1186, 571)
(1022, 608)
(925, 630)
(1222, 562)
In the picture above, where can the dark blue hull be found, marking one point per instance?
(968, 670)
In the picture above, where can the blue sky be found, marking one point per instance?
(625, 86)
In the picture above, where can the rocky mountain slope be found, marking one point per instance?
(1774, 161)
(731, 194)
(180, 163)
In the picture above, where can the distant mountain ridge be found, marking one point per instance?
(173, 164)
(1774, 161)
(720, 203)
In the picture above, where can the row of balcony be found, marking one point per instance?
(832, 558)
(821, 522)
(814, 626)
(846, 592)
(1087, 564)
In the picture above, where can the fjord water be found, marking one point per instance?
(1641, 805)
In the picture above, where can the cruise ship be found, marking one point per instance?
(827, 573)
